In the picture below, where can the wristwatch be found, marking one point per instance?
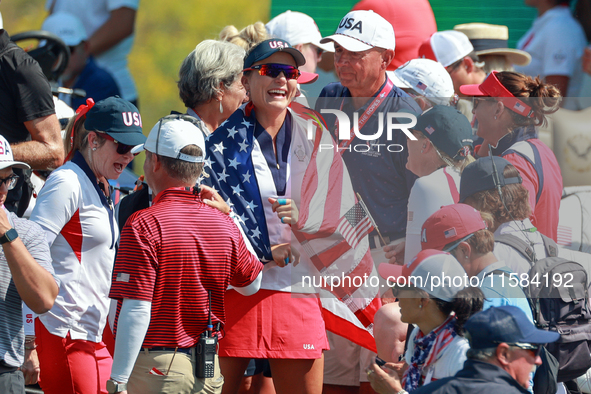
(9, 236)
(115, 387)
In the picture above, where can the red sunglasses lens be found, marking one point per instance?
(273, 71)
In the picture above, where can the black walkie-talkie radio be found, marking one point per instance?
(206, 349)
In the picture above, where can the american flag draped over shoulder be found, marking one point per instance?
(332, 227)
(229, 165)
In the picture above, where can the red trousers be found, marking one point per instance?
(71, 366)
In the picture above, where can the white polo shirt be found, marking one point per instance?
(556, 42)
(81, 231)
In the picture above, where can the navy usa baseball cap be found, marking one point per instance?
(504, 324)
(448, 129)
(268, 47)
(118, 118)
(480, 175)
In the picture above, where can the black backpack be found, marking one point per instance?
(559, 298)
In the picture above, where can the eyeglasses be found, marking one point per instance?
(10, 181)
(122, 149)
(273, 70)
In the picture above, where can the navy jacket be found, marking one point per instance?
(475, 377)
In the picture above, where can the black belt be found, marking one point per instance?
(186, 350)
(4, 368)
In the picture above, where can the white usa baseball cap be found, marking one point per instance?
(297, 28)
(362, 30)
(446, 47)
(171, 134)
(6, 157)
(425, 77)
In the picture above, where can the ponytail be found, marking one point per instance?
(466, 303)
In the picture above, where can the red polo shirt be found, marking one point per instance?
(172, 254)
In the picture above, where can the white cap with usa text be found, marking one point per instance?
(6, 158)
(362, 30)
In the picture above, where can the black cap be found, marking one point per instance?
(504, 324)
(448, 129)
(480, 176)
(269, 47)
(118, 118)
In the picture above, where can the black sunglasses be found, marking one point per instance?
(534, 348)
(122, 149)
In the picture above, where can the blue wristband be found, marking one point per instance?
(282, 201)
(286, 261)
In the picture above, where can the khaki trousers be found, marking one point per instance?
(180, 378)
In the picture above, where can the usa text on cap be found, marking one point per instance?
(6, 157)
(117, 117)
(362, 30)
(268, 47)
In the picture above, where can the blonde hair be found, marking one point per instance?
(247, 38)
(79, 141)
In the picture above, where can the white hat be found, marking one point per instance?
(436, 272)
(170, 135)
(297, 28)
(426, 77)
(446, 47)
(362, 30)
(67, 27)
(6, 158)
(490, 39)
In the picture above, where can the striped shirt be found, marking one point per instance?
(172, 254)
(12, 334)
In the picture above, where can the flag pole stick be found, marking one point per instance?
(373, 223)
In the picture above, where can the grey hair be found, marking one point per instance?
(211, 64)
(481, 354)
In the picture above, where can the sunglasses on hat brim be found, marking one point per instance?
(273, 70)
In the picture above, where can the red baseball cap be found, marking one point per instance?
(426, 271)
(451, 224)
(492, 87)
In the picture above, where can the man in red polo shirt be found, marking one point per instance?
(170, 257)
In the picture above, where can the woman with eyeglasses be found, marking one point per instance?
(509, 107)
(76, 211)
(442, 149)
(436, 347)
(258, 159)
